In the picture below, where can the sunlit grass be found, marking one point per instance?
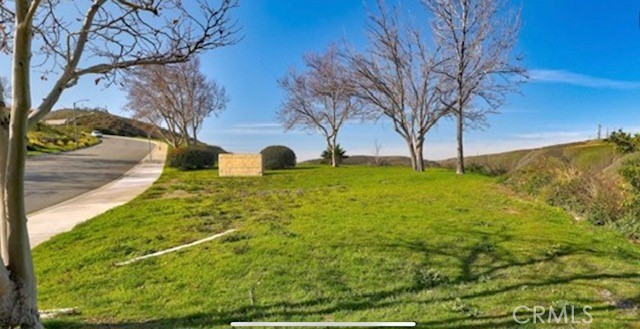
(346, 244)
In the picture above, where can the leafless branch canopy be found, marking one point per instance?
(176, 96)
(477, 40)
(322, 98)
(73, 38)
(398, 78)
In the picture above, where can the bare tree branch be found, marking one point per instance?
(398, 79)
(476, 39)
(117, 35)
(177, 96)
(321, 98)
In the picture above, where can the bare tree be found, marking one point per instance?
(207, 98)
(156, 115)
(377, 150)
(320, 99)
(476, 39)
(176, 96)
(72, 40)
(398, 78)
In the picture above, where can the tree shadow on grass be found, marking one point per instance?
(285, 311)
(392, 298)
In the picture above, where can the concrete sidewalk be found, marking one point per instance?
(45, 223)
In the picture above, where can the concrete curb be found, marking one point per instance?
(45, 223)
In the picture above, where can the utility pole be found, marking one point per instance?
(75, 121)
(599, 131)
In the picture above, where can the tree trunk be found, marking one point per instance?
(460, 132)
(195, 135)
(412, 154)
(415, 152)
(419, 156)
(334, 155)
(21, 296)
(4, 223)
(184, 130)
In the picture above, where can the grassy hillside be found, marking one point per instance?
(347, 244)
(106, 123)
(594, 156)
(589, 155)
(47, 139)
(583, 178)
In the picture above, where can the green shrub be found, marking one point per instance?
(606, 205)
(327, 154)
(536, 176)
(628, 221)
(486, 169)
(568, 190)
(586, 194)
(625, 142)
(630, 173)
(217, 150)
(629, 226)
(590, 195)
(278, 157)
(193, 157)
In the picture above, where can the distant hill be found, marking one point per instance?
(588, 156)
(104, 122)
(368, 160)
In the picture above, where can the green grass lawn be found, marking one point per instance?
(350, 244)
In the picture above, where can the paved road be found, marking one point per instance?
(51, 179)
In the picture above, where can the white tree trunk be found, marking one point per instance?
(419, 156)
(415, 145)
(7, 286)
(412, 154)
(460, 133)
(4, 223)
(19, 294)
(334, 155)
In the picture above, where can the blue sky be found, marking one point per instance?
(583, 56)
